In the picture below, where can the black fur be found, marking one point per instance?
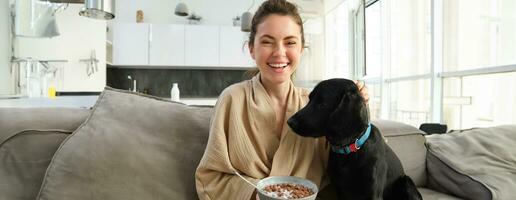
(337, 110)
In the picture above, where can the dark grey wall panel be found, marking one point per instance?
(193, 83)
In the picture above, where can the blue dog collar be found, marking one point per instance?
(353, 147)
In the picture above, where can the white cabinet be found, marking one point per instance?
(201, 45)
(234, 51)
(167, 45)
(130, 44)
(171, 45)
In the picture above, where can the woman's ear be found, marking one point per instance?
(251, 49)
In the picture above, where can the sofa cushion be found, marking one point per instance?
(131, 147)
(429, 194)
(28, 139)
(463, 163)
(408, 143)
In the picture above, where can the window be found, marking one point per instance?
(479, 101)
(410, 101)
(479, 42)
(398, 59)
(374, 40)
(479, 33)
(409, 39)
(330, 40)
(460, 70)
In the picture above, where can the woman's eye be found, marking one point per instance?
(291, 43)
(266, 42)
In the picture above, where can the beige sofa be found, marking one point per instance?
(131, 146)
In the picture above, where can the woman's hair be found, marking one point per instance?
(269, 7)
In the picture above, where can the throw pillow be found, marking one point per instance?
(474, 164)
(131, 147)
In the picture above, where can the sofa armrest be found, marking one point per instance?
(29, 137)
(408, 143)
(15, 120)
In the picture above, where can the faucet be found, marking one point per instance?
(134, 83)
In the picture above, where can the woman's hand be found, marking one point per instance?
(362, 88)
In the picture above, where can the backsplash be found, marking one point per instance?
(193, 83)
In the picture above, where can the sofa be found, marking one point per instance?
(135, 146)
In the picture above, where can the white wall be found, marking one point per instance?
(5, 45)
(213, 12)
(79, 35)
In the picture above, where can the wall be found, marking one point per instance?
(5, 46)
(213, 12)
(79, 36)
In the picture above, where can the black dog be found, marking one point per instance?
(361, 165)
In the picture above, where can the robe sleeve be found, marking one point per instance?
(214, 177)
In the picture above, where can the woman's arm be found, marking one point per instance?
(213, 185)
(214, 176)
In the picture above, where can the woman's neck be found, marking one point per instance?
(277, 92)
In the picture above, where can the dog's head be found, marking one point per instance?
(335, 110)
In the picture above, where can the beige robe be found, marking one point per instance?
(242, 137)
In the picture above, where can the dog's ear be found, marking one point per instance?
(351, 115)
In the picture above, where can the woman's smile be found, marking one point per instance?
(279, 67)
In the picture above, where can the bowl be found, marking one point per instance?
(285, 179)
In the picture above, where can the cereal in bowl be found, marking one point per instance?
(288, 191)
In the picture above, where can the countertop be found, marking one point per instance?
(79, 101)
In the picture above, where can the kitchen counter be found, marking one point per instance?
(79, 101)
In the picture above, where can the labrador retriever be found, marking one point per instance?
(360, 165)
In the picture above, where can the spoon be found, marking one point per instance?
(246, 180)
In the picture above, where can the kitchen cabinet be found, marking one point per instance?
(131, 44)
(177, 45)
(234, 51)
(167, 45)
(202, 46)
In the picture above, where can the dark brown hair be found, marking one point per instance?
(269, 7)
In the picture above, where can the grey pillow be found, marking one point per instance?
(131, 147)
(443, 178)
(474, 164)
(408, 143)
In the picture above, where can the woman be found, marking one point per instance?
(248, 130)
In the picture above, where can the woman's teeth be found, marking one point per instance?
(278, 65)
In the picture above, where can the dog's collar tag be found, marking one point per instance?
(355, 146)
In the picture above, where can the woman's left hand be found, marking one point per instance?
(363, 90)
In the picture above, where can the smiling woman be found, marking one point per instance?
(249, 132)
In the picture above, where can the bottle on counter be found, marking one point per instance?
(174, 92)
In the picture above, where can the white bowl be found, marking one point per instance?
(285, 179)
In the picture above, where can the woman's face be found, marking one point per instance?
(277, 48)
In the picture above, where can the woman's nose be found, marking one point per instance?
(280, 50)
